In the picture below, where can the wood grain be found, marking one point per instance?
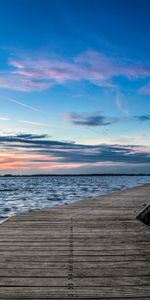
(92, 249)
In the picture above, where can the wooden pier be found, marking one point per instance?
(93, 249)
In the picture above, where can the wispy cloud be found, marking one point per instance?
(120, 104)
(33, 73)
(20, 82)
(31, 136)
(4, 119)
(145, 90)
(95, 119)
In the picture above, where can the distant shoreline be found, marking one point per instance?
(67, 175)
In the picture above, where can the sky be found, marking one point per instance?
(74, 86)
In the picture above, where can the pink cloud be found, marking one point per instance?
(21, 83)
(104, 68)
(27, 74)
(145, 89)
(17, 64)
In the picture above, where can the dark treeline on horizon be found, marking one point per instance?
(66, 175)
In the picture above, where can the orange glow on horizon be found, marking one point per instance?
(17, 161)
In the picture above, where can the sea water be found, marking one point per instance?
(21, 194)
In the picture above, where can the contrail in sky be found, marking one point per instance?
(26, 105)
(34, 123)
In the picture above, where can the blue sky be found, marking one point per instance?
(74, 86)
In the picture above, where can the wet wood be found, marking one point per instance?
(92, 249)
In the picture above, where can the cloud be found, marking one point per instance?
(31, 136)
(145, 90)
(14, 81)
(37, 74)
(96, 119)
(4, 119)
(39, 149)
(120, 104)
(143, 118)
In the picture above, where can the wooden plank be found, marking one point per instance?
(55, 293)
(93, 249)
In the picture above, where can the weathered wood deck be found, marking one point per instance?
(94, 249)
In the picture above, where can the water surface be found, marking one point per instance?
(22, 194)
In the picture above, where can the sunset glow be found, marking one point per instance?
(74, 91)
